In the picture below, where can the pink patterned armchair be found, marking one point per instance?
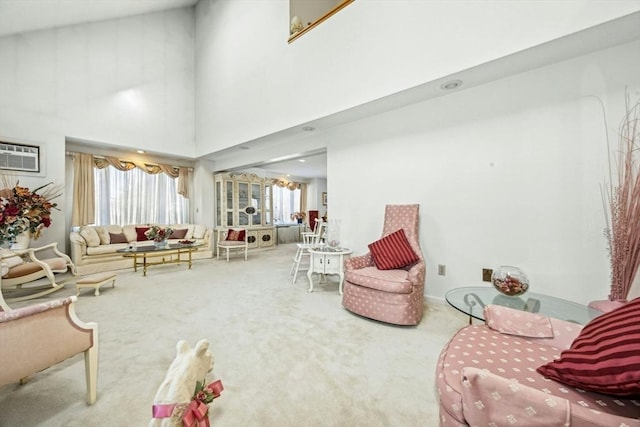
(389, 295)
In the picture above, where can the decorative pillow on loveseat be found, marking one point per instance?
(393, 251)
(605, 357)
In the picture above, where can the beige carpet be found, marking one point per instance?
(286, 357)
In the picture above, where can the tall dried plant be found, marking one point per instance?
(622, 204)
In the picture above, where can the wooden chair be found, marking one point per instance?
(26, 266)
(303, 248)
(233, 239)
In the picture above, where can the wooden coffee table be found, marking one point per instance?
(148, 252)
(472, 300)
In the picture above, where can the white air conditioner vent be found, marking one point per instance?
(19, 157)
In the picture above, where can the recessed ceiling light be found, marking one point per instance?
(140, 151)
(301, 160)
(244, 147)
(453, 84)
(308, 128)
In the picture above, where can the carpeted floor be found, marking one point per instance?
(286, 357)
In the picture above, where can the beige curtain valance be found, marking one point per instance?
(84, 193)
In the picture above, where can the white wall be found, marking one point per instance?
(252, 83)
(507, 173)
(126, 82)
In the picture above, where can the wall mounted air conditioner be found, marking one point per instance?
(19, 157)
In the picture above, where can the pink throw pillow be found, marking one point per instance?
(605, 357)
(393, 251)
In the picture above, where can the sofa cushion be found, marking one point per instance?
(198, 231)
(179, 233)
(393, 281)
(605, 357)
(90, 235)
(140, 236)
(104, 235)
(393, 251)
(117, 238)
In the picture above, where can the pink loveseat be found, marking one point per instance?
(486, 375)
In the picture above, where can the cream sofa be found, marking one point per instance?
(92, 250)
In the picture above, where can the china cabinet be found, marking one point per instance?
(245, 200)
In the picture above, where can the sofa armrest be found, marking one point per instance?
(536, 327)
(78, 247)
(489, 398)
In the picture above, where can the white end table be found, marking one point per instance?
(327, 261)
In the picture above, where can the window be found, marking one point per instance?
(285, 203)
(136, 197)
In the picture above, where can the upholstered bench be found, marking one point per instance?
(96, 280)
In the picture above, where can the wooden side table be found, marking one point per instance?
(327, 261)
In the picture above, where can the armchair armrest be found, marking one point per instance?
(489, 398)
(358, 262)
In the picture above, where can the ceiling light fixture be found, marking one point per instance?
(302, 160)
(140, 151)
(308, 128)
(244, 147)
(453, 84)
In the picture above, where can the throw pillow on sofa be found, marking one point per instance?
(90, 235)
(117, 238)
(140, 236)
(179, 234)
(393, 251)
(605, 357)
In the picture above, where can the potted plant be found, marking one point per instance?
(298, 216)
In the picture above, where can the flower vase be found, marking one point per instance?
(160, 244)
(22, 241)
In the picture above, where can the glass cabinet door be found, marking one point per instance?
(229, 206)
(218, 203)
(243, 202)
(267, 205)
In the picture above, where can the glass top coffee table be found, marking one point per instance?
(147, 252)
(472, 300)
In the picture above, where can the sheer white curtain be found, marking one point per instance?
(136, 197)
(285, 203)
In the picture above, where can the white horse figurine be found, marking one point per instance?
(176, 392)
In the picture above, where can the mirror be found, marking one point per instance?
(307, 14)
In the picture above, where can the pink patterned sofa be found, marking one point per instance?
(488, 374)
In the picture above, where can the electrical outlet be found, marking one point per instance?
(486, 274)
(442, 270)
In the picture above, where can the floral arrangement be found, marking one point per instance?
(622, 206)
(158, 234)
(298, 215)
(24, 210)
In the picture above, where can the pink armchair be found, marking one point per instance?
(38, 336)
(392, 296)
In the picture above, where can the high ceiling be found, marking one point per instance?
(17, 16)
